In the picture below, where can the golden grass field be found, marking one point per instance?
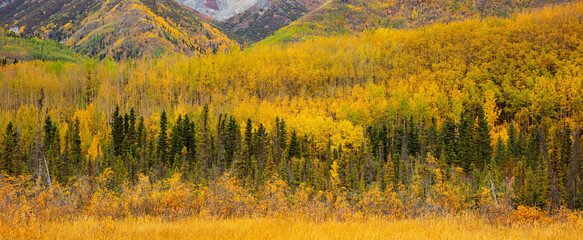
(452, 227)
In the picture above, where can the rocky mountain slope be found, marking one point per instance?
(114, 28)
(253, 20)
(348, 16)
(222, 9)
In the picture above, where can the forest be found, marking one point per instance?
(480, 115)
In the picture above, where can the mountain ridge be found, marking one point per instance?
(116, 28)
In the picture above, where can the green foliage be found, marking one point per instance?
(9, 161)
(13, 47)
(162, 147)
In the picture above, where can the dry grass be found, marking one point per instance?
(454, 227)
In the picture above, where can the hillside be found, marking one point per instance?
(349, 16)
(478, 122)
(116, 28)
(260, 21)
(13, 47)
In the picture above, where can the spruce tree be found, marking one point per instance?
(512, 142)
(448, 142)
(162, 149)
(189, 137)
(500, 158)
(249, 139)
(483, 142)
(76, 157)
(282, 135)
(259, 147)
(465, 153)
(10, 163)
(231, 140)
(49, 133)
(294, 146)
(117, 131)
(176, 142)
(533, 149)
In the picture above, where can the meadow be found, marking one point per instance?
(461, 226)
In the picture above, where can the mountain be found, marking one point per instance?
(252, 20)
(114, 28)
(349, 16)
(222, 9)
(261, 20)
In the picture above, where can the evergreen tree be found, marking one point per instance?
(49, 133)
(294, 146)
(448, 142)
(465, 153)
(117, 132)
(512, 142)
(282, 135)
(533, 152)
(232, 138)
(10, 163)
(500, 158)
(131, 130)
(259, 142)
(189, 137)
(162, 149)
(75, 163)
(141, 133)
(483, 142)
(249, 139)
(176, 142)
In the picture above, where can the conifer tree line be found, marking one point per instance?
(536, 166)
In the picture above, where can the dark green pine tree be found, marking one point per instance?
(141, 133)
(141, 153)
(51, 144)
(9, 162)
(176, 143)
(533, 149)
(76, 157)
(49, 133)
(448, 141)
(248, 147)
(131, 130)
(483, 142)
(162, 149)
(117, 132)
(259, 145)
(384, 143)
(231, 140)
(512, 142)
(282, 135)
(294, 146)
(500, 157)
(373, 139)
(189, 138)
(465, 153)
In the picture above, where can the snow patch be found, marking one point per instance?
(222, 9)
